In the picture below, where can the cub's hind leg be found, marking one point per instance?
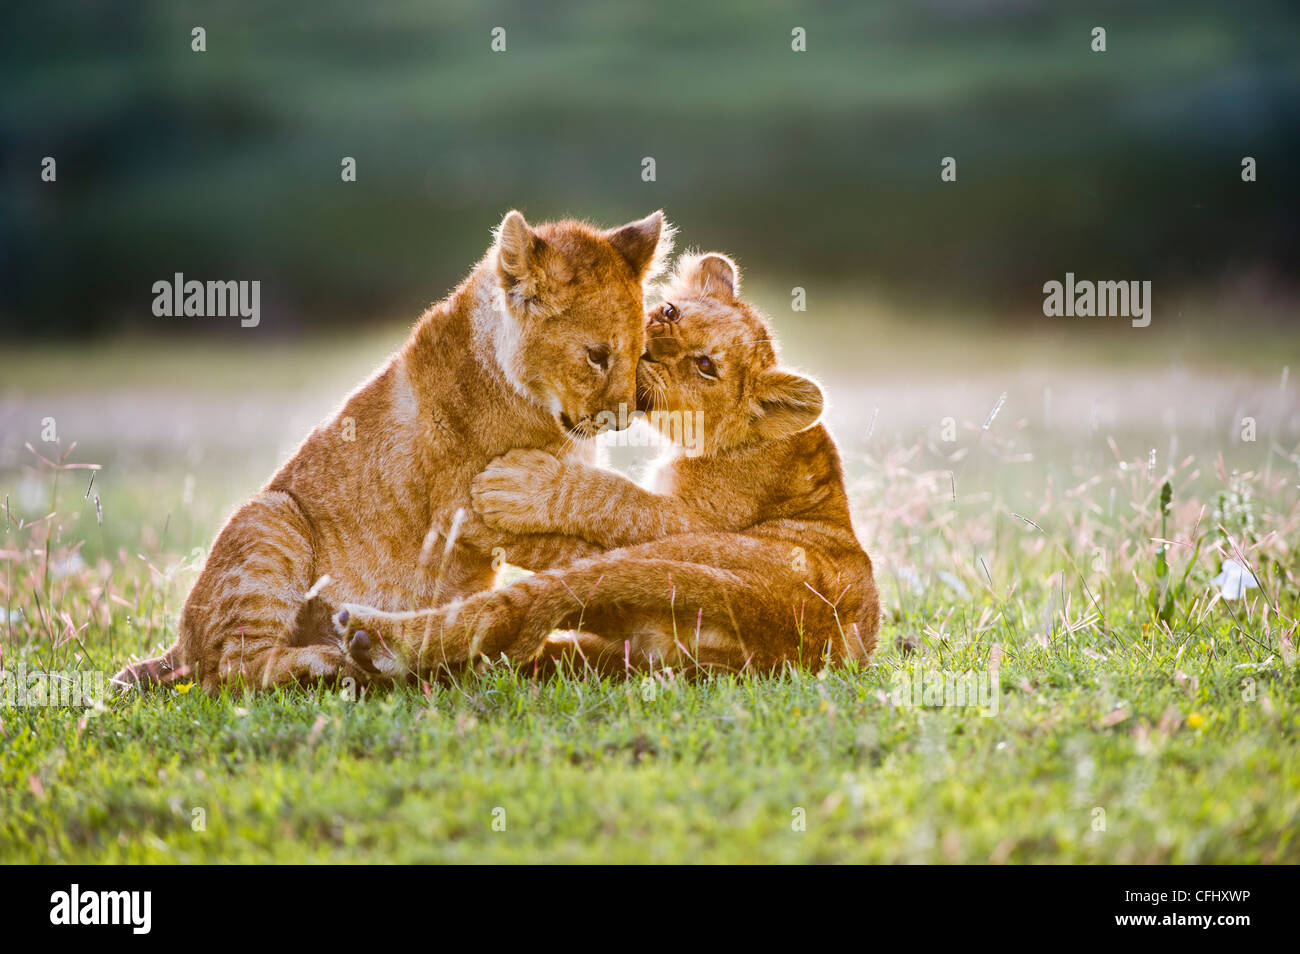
(657, 605)
(241, 618)
(662, 609)
(717, 601)
(581, 652)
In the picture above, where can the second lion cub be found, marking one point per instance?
(744, 556)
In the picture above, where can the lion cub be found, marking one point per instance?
(744, 556)
(534, 347)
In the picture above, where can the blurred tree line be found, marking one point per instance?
(822, 164)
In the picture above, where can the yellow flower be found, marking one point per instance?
(1195, 720)
(184, 687)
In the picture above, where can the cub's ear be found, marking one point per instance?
(644, 244)
(787, 403)
(517, 248)
(526, 264)
(711, 275)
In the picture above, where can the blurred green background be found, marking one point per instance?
(814, 168)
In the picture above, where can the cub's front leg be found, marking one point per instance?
(531, 551)
(531, 491)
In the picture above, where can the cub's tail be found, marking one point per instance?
(153, 672)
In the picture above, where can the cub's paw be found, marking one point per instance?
(515, 491)
(474, 532)
(369, 637)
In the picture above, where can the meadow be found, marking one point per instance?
(1009, 492)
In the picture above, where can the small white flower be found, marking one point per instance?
(1234, 580)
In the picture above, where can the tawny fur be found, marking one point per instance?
(541, 337)
(742, 557)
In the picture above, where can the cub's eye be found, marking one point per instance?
(706, 366)
(670, 312)
(598, 358)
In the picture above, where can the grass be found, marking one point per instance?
(1136, 721)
